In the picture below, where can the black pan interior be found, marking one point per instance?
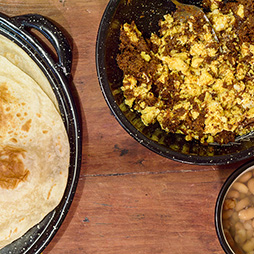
(146, 15)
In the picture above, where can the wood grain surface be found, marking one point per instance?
(129, 199)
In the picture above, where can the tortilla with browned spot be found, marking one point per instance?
(34, 153)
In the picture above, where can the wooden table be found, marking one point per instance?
(129, 199)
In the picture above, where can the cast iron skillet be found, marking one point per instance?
(146, 15)
(58, 74)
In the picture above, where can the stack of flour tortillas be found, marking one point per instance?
(34, 146)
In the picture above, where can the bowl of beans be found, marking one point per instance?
(234, 212)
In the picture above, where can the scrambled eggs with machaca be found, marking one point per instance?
(187, 81)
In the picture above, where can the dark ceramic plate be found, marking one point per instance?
(146, 15)
(17, 29)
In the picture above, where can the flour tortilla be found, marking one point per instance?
(21, 59)
(34, 153)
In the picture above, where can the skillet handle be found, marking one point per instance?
(53, 34)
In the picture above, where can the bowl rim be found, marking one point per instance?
(100, 54)
(220, 200)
